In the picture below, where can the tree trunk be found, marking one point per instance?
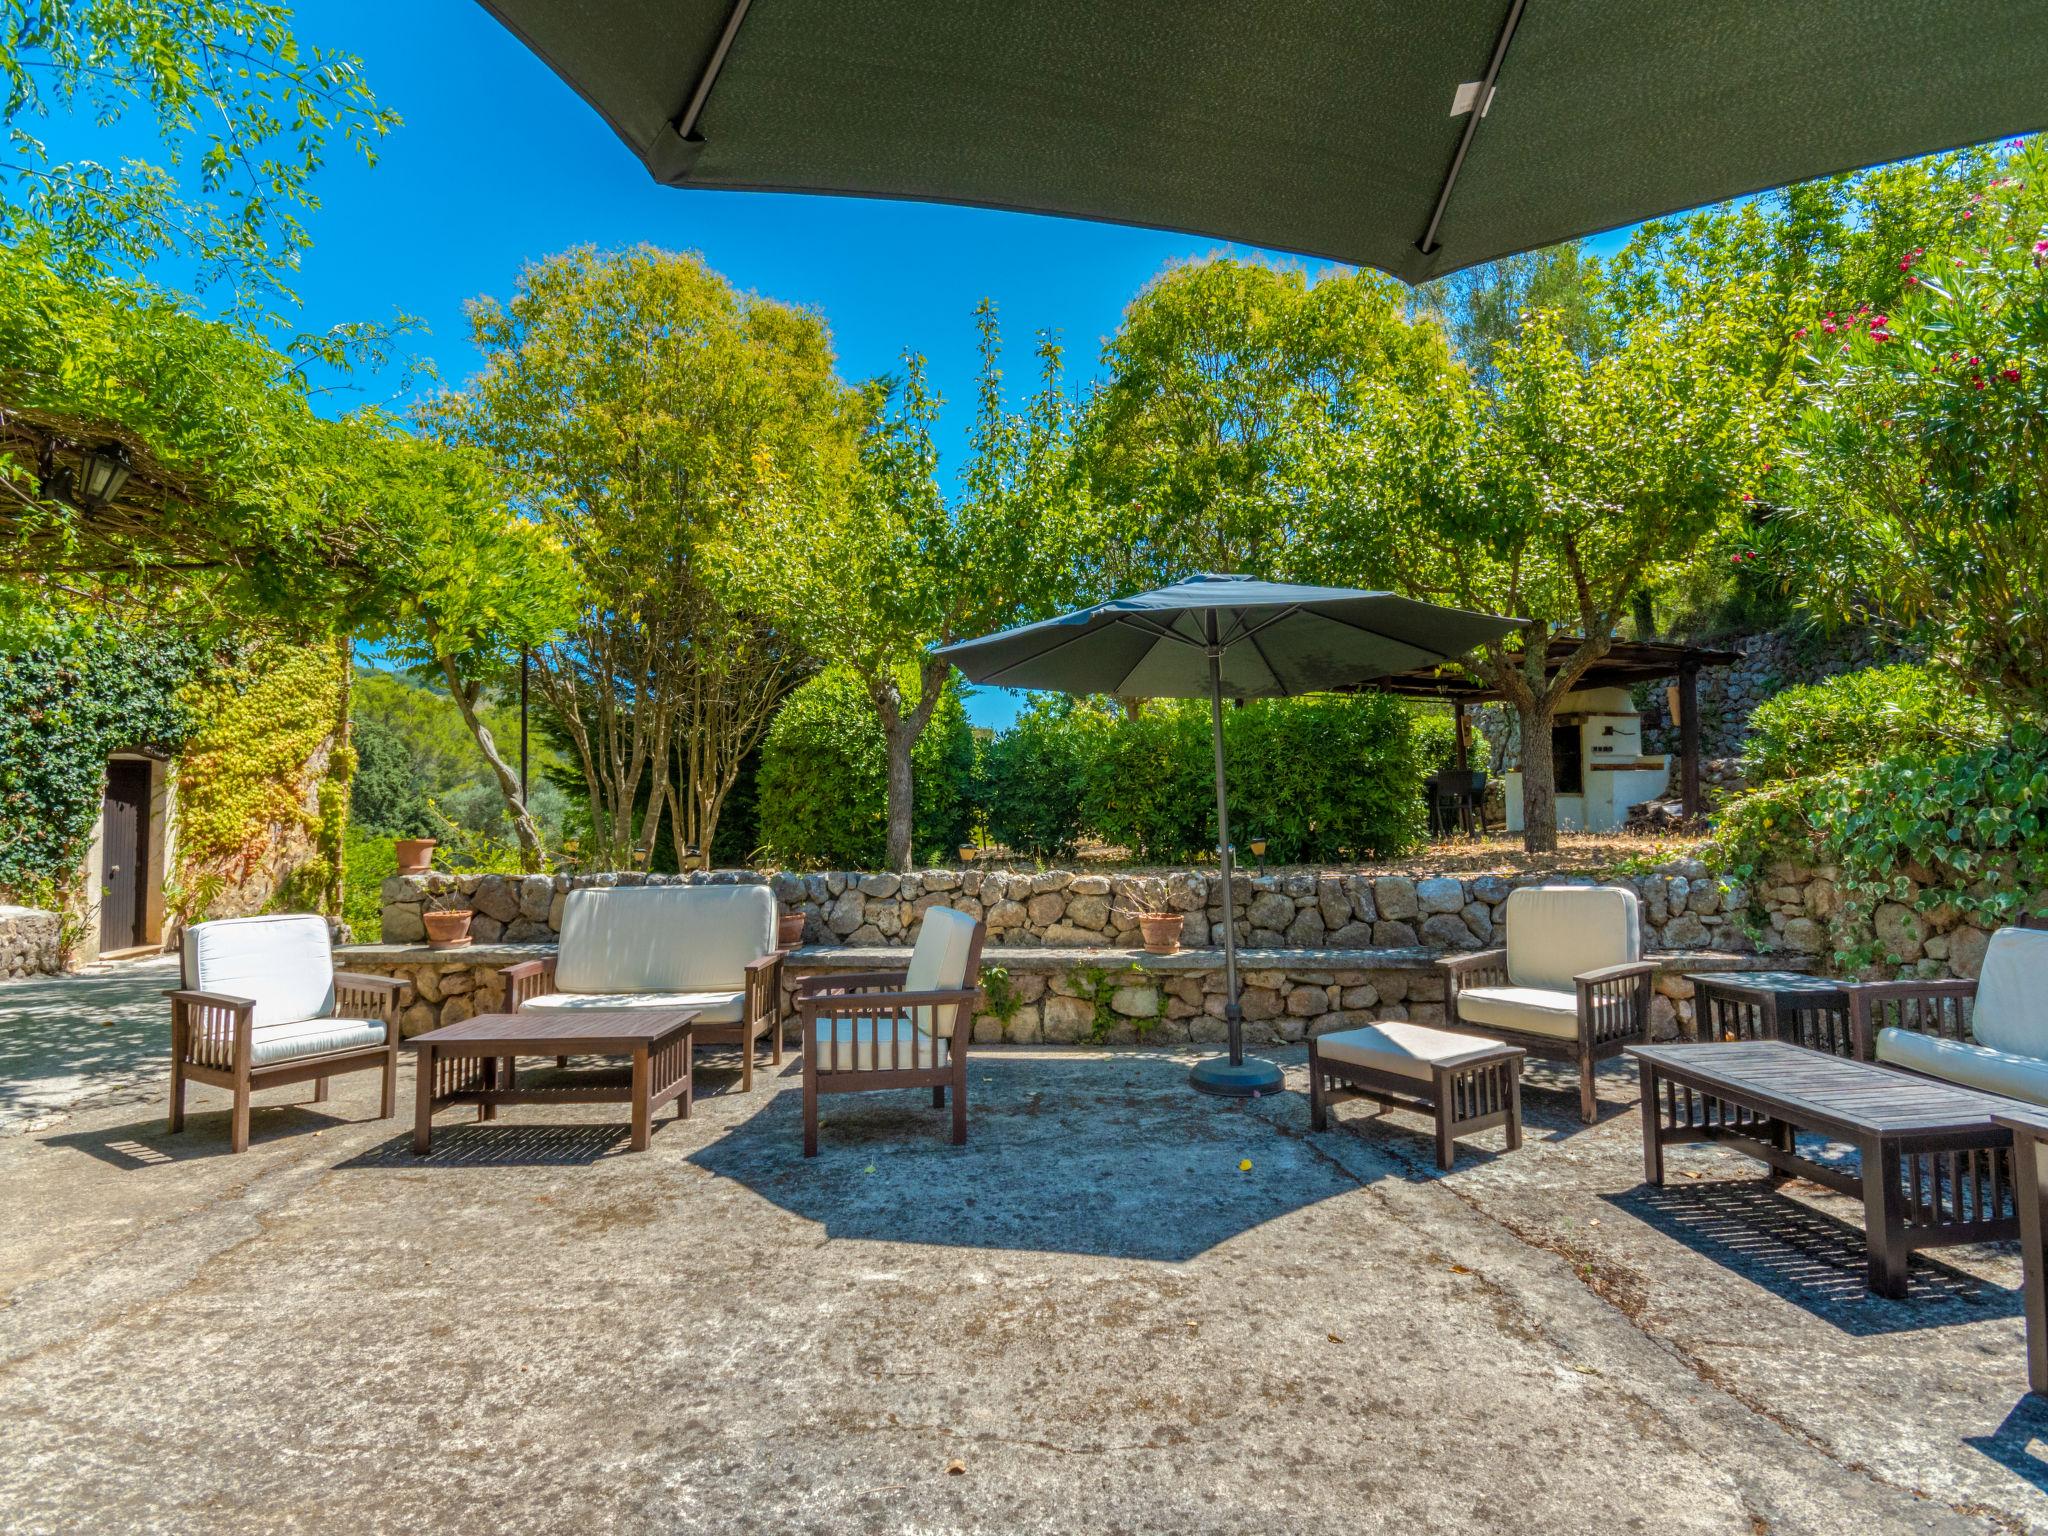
(1539, 774)
(507, 776)
(901, 737)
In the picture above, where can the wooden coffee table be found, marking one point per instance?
(1936, 1164)
(473, 1063)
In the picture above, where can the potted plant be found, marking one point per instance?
(447, 924)
(415, 854)
(1162, 931)
(789, 930)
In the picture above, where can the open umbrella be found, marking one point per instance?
(1413, 138)
(1219, 637)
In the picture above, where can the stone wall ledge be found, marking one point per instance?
(884, 957)
(376, 957)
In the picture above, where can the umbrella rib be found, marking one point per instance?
(686, 124)
(1428, 243)
(1278, 682)
(994, 679)
(1380, 634)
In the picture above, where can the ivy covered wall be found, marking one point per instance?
(64, 707)
(262, 791)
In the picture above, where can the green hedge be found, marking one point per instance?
(823, 781)
(1863, 717)
(1318, 778)
(1033, 776)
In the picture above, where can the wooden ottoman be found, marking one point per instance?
(1469, 1083)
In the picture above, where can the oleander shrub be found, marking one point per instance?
(823, 782)
(1863, 717)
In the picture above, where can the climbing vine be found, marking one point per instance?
(246, 776)
(64, 707)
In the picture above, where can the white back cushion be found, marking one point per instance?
(2012, 993)
(1556, 932)
(663, 938)
(286, 963)
(939, 963)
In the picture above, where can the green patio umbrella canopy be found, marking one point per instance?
(1335, 128)
(1227, 637)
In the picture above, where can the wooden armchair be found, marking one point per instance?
(896, 1029)
(1991, 1033)
(1570, 984)
(263, 1006)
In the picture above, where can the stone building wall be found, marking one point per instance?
(30, 941)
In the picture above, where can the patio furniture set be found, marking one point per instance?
(1935, 1083)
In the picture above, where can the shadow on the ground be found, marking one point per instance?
(65, 1037)
(1809, 1258)
(1110, 1156)
(495, 1144)
(147, 1144)
(2020, 1444)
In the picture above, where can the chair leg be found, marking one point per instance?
(939, 1097)
(561, 1061)
(775, 1039)
(388, 1105)
(748, 1045)
(1318, 1112)
(177, 1095)
(1589, 1105)
(238, 1125)
(810, 1112)
(319, 1090)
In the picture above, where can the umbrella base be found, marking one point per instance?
(1227, 1081)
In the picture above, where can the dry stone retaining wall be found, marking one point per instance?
(30, 942)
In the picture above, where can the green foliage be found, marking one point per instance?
(1969, 828)
(1436, 742)
(1862, 717)
(999, 993)
(1319, 778)
(227, 79)
(1918, 481)
(1034, 775)
(1096, 986)
(823, 780)
(243, 777)
(385, 795)
(369, 859)
(64, 707)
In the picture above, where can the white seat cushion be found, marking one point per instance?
(1972, 1066)
(272, 1043)
(1532, 1010)
(284, 963)
(712, 1007)
(663, 938)
(1557, 932)
(851, 1045)
(1396, 1046)
(939, 963)
(2012, 993)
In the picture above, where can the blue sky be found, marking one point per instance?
(499, 163)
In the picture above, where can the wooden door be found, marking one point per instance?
(124, 855)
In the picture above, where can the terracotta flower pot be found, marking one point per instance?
(415, 854)
(789, 930)
(447, 930)
(1162, 931)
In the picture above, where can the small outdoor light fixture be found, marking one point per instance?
(1258, 847)
(101, 475)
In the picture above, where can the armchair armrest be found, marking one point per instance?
(385, 991)
(819, 982)
(528, 978)
(1485, 959)
(763, 986)
(1617, 972)
(214, 1029)
(1928, 1007)
(876, 1004)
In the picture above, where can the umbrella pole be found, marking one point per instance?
(1233, 1015)
(1230, 1077)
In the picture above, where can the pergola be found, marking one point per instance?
(1626, 662)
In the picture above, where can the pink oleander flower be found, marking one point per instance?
(1978, 382)
(2011, 375)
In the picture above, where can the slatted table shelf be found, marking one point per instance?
(1936, 1164)
(473, 1062)
(1772, 1005)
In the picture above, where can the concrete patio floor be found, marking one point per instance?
(1091, 1310)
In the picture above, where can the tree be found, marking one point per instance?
(384, 793)
(1223, 377)
(1552, 498)
(646, 414)
(1485, 306)
(1916, 482)
(895, 571)
(227, 78)
(486, 586)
